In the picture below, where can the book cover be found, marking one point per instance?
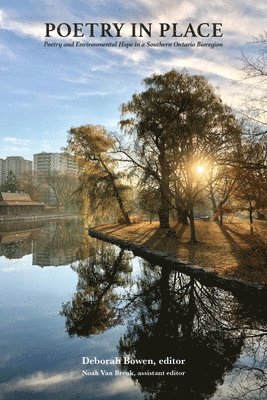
(133, 200)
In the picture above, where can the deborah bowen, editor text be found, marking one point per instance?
(128, 360)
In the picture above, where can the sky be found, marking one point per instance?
(46, 90)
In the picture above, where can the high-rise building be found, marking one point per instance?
(18, 165)
(45, 163)
(1, 170)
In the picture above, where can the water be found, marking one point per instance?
(65, 296)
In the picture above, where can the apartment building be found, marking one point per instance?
(18, 165)
(45, 163)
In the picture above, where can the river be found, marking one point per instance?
(83, 319)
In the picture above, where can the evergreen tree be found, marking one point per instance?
(11, 183)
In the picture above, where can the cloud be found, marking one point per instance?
(203, 66)
(40, 381)
(15, 146)
(43, 381)
(35, 30)
(16, 141)
(238, 18)
(134, 56)
(101, 93)
(122, 384)
(82, 79)
(68, 79)
(77, 95)
(6, 52)
(2, 15)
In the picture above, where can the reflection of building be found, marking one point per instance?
(18, 165)
(18, 203)
(52, 243)
(48, 258)
(45, 163)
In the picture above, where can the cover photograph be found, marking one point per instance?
(133, 200)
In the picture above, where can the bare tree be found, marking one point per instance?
(255, 72)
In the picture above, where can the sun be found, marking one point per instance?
(200, 169)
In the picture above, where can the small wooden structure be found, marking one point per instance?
(19, 203)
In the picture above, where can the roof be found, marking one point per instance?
(15, 237)
(17, 199)
(7, 196)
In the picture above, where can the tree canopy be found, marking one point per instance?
(92, 147)
(182, 145)
(178, 123)
(11, 183)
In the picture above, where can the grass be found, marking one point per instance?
(230, 250)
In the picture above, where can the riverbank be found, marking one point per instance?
(37, 217)
(228, 252)
(28, 222)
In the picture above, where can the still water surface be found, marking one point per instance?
(65, 296)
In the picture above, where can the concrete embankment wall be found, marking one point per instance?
(240, 288)
(37, 217)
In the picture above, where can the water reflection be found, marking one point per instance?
(94, 307)
(117, 305)
(171, 317)
(51, 243)
(16, 244)
(181, 319)
(248, 380)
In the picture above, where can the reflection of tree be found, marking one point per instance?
(94, 307)
(179, 318)
(63, 234)
(61, 243)
(15, 245)
(172, 316)
(14, 250)
(249, 377)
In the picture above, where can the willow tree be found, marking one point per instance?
(177, 122)
(145, 118)
(92, 147)
(95, 307)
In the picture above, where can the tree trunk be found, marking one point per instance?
(193, 238)
(164, 211)
(165, 297)
(188, 326)
(218, 211)
(121, 205)
(164, 217)
(214, 205)
(221, 216)
(116, 192)
(182, 216)
(251, 219)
